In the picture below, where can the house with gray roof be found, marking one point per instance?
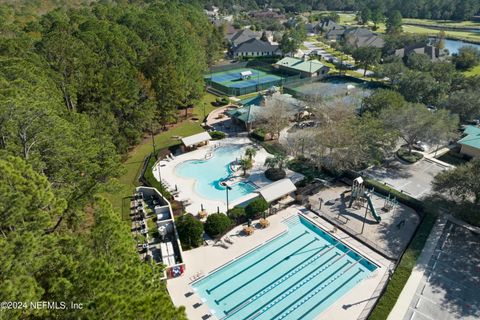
(430, 51)
(255, 48)
(243, 35)
(362, 37)
(326, 26)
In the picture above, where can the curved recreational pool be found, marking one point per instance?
(209, 173)
(298, 275)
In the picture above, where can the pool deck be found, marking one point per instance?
(186, 187)
(206, 259)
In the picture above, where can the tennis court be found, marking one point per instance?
(242, 81)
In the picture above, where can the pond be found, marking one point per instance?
(454, 45)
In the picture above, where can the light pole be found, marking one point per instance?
(226, 190)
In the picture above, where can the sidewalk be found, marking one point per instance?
(403, 303)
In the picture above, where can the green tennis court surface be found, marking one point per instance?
(232, 81)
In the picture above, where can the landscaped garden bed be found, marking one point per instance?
(410, 157)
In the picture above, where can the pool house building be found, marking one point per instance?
(470, 143)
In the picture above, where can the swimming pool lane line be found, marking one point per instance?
(264, 291)
(314, 291)
(282, 278)
(268, 270)
(253, 264)
(292, 288)
(331, 293)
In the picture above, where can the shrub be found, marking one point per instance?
(237, 214)
(190, 230)
(274, 174)
(258, 134)
(217, 224)
(413, 157)
(221, 101)
(254, 208)
(150, 181)
(217, 135)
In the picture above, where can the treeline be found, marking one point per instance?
(424, 9)
(78, 87)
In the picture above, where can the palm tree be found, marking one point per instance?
(277, 161)
(250, 153)
(245, 164)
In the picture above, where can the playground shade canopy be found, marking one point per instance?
(277, 190)
(196, 139)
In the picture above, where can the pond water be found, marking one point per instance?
(454, 45)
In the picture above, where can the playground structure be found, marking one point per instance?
(361, 197)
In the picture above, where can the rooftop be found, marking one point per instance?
(472, 137)
(246, 114)
(196, 139)
(310, 66)
(277, 189)
(255, 45)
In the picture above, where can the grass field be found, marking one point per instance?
(461, 35)
(133, 165)
(444, 23)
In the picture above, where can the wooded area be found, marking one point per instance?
(78, 88)
(425, 9)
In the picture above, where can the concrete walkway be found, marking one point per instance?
(408, 292)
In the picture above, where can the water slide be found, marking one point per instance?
(372, 208)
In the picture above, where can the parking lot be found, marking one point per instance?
(450, 286)
(413, 179)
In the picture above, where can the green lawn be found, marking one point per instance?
(461, 35)
(473, 72)
(133, 165)
(443, 23)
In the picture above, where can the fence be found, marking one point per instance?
(355, 235)
(284, 78)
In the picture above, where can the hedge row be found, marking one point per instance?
(385, 190)
(150, 181)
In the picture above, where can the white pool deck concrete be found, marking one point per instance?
(207, 259)
(186, 187)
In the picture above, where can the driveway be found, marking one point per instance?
(413, 179)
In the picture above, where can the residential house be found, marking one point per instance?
(310, 29)
(327, 25)
(306, 68)
(255, 48)
(430, 51)
(335, 34)
(361, 37)
(242, 36)
(470, 143)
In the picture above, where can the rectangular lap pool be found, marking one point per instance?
(295, 276)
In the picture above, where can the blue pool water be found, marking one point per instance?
(295, 276)
(209, 173)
